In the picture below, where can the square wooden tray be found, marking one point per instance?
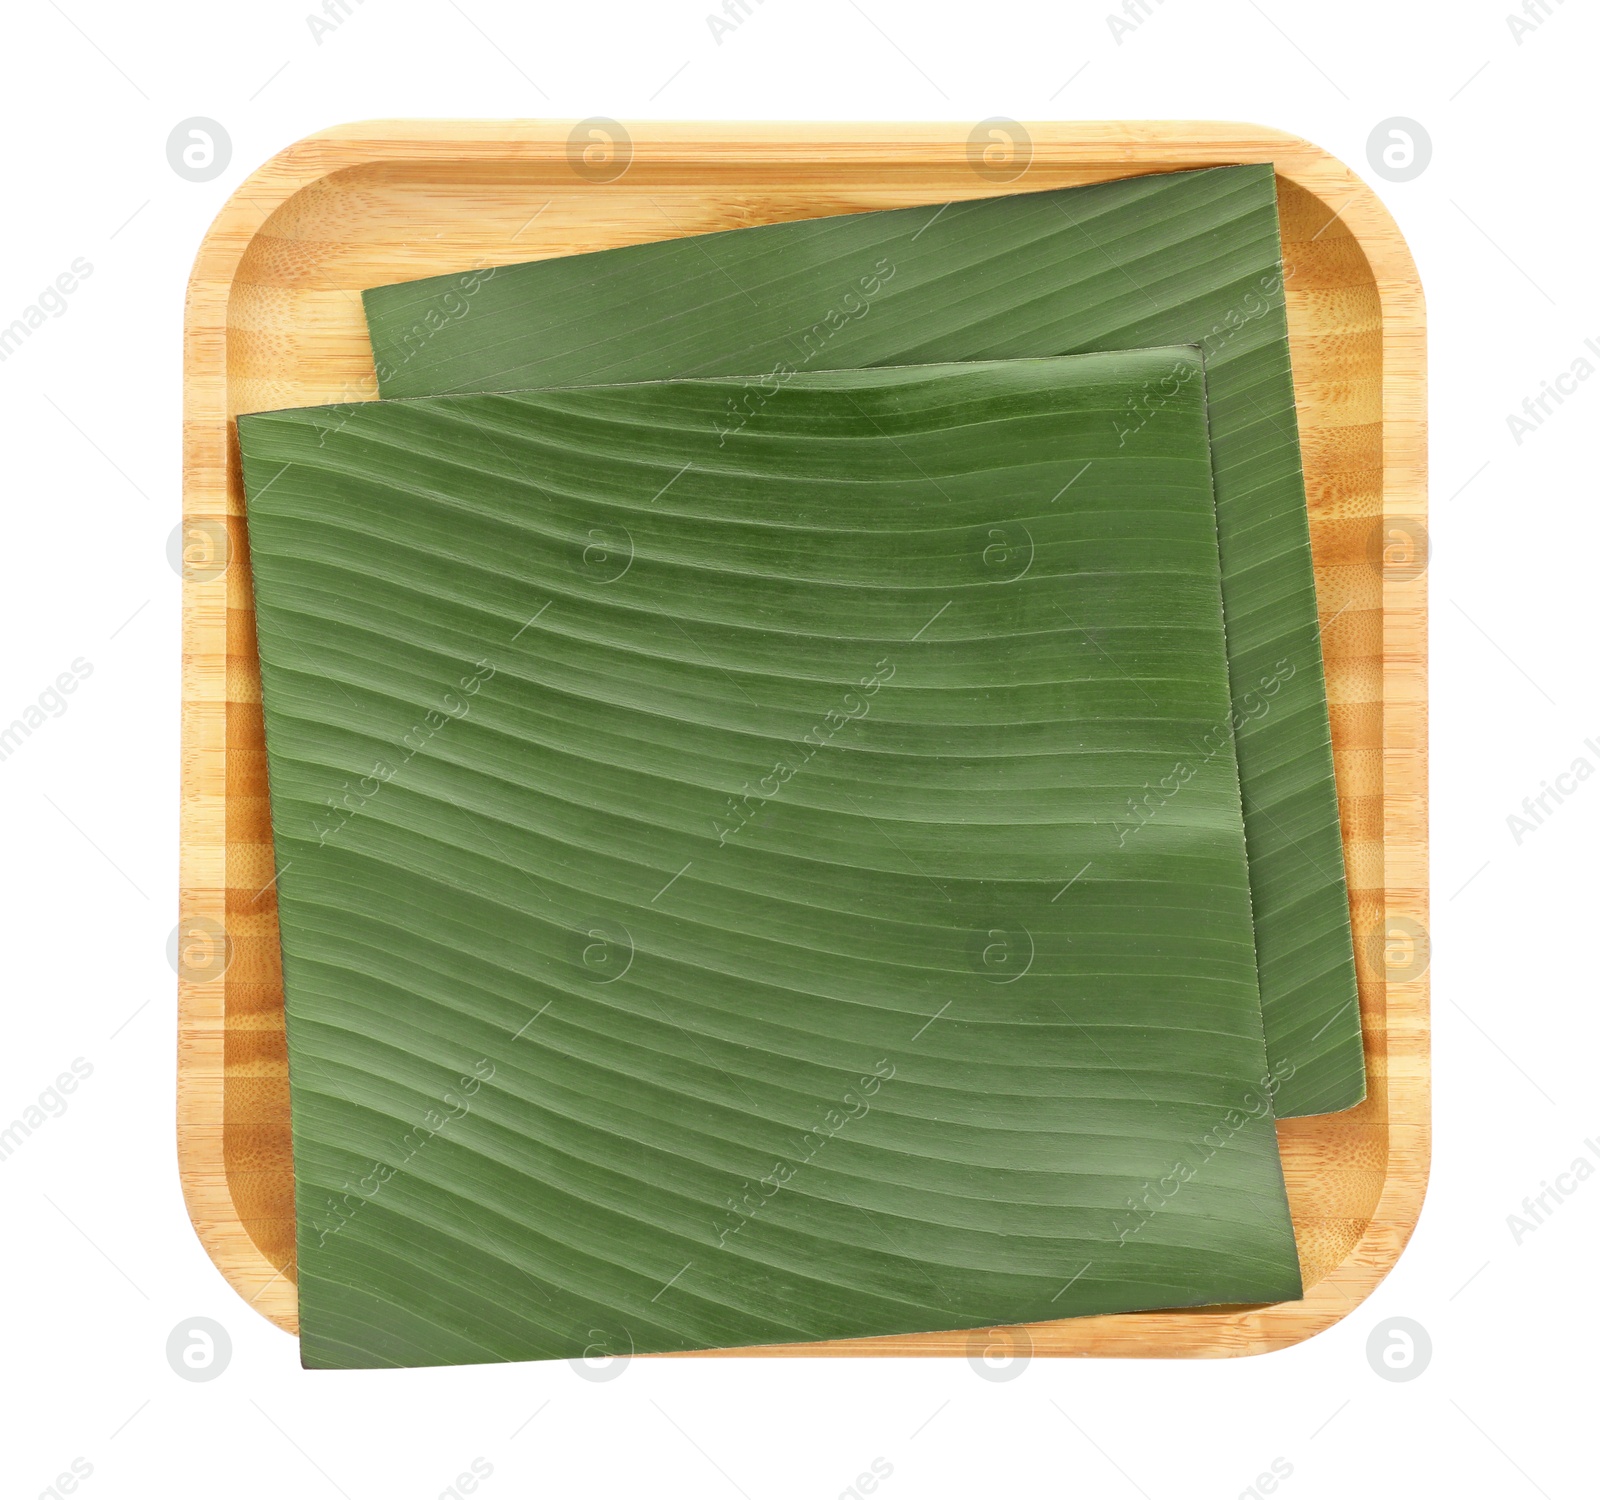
(274, 319)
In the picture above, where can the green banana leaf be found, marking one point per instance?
(708, 913)
(1189, 257)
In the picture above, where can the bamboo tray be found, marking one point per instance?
(273, 319)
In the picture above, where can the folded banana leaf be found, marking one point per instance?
(708, 912)
(1189, 257)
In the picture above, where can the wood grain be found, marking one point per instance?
(274, 319)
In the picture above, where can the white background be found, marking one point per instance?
(99, 1261)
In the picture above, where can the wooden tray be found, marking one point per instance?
(273, 319)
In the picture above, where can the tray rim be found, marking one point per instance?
(1116, 147)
